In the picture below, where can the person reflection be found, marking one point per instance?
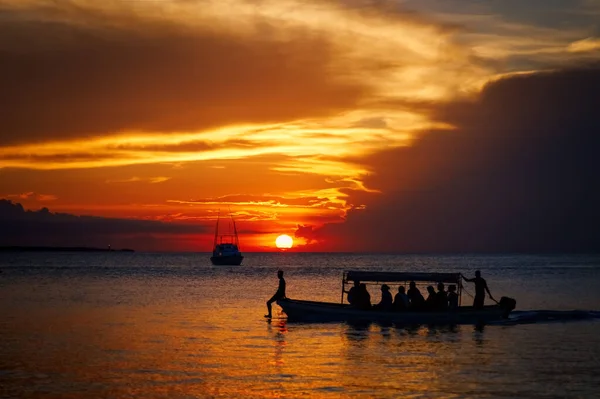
(280, 330)
(357, 330)
(478, 333)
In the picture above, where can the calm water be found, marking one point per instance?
(172, 326)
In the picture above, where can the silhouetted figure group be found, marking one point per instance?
(439, 300)
(442, 300)
(359, 297)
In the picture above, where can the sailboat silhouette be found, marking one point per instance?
(226, 247)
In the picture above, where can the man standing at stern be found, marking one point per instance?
(480, 289)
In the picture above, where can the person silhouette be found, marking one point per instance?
(480, 289)
(279, 294)
(364, 298)
(452, 297)
(414, 296)
(401, 299)
(431, 302)
(354, 294)
(386, 298)
(441, 297)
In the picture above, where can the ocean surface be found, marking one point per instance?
(141, 325)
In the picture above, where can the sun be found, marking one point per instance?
(284, 241)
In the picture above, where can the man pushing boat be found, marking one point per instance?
(279, 294)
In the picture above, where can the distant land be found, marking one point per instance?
(61, 249)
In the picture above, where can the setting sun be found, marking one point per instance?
(284, 241)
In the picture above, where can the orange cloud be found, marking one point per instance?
(31, 196)
(275, 108)
(585, 45)
(153, 180)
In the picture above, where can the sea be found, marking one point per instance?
(171, 325)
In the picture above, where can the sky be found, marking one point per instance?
(355, 125)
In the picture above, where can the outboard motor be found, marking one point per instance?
(508, 304)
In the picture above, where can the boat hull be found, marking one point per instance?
(310, 311)
(234, 260)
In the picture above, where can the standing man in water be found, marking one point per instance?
(480, 288)
(279, 294)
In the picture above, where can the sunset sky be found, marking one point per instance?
(395, 126)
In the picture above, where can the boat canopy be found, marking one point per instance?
(401, 277)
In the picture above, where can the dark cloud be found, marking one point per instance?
(21, 227)
(61, 80)
(519, 174)
(305, 232)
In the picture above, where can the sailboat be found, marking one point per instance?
(226, 247)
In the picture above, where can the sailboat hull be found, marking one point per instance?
(233, 260)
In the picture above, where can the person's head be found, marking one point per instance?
(385, 287)
(440, 287)
(477, 273)
(280, 273)
(401, 289)
(356, 283)
(430, 289)
(451, 288)
(412, 284)
(363, 286)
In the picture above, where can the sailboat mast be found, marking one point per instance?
(237, 243)
(235, 235)
(217, 228)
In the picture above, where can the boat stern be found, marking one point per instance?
(508, 305)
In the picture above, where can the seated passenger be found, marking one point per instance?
(441, 297)
(353, 293)
(414, 296)
(401, 299)
(364, 298)
(452, 297)
(431, 302)
(386, 299)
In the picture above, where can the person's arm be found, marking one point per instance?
(468, 280)
(489, 293)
